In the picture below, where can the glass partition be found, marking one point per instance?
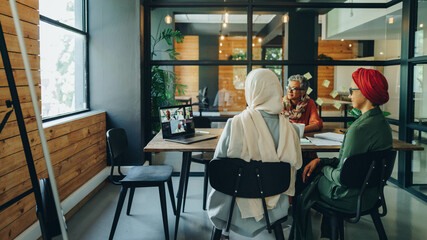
(208, 33)
(420, 94)
(420, 32)
(360, 34)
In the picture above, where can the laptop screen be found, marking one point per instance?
(177, 120)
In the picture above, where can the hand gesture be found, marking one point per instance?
(310, 168)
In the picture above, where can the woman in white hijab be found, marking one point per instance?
(260, 132)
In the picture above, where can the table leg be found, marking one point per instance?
(182, 177)
(320, 110)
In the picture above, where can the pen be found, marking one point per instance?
(205, 132)
(342, 131)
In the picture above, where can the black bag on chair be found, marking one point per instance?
(49, 215)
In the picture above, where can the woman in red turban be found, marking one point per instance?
(370, 132)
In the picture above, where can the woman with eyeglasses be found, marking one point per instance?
(299, 106)
(370, 132)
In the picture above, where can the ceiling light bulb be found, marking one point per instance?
(168, 19)
(381, 53)
(390, 20)
(220, 51)
(350, 45)
(342, 39)
(220, 44)
(226, 17)
(421, 25)
(259, 40)
(222, 37)
(253, 44)
(285, 18)
(224, 25)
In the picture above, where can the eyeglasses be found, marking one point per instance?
(293, 89)
(350, 90)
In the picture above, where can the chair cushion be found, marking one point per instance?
(158, 173)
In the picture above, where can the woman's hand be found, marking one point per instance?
(310, 168)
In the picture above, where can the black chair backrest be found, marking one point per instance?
(356, 168)
(117, 142)
(223, 173)
(202, 122)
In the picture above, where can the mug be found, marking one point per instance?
(300, 127)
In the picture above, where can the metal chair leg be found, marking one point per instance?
(216, 233)
(378, 225)
(118, 210)
(187, 177)
(341, 228)
(131, 193)
(170, 187)
(205, 187)
(334, 228)
(164, 210)
(278, 232)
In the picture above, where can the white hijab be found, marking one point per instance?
(250, 137)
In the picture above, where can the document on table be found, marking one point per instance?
(330, 136)
(305, 141)
(323, 142)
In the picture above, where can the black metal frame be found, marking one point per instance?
(407, 63)
(85, 33)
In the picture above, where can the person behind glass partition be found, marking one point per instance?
(260, 132)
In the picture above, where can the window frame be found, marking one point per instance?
(84, 33)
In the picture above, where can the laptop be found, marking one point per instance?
(178, 125)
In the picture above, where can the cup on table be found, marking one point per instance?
(300, 127)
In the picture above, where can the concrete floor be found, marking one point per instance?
(406, 218)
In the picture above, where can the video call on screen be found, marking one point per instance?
(177, 120)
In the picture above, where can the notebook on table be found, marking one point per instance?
(178, 125)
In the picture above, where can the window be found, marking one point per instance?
(63, 43)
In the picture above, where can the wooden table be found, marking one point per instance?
(158, 144)
(397, 144)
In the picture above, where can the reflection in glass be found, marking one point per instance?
(361, 34)
(420, 93)
(268, 35)
(62, 76)
(392, 74)
(420, 33)
(69, 12)
(214, 90)
(419, 164)
(209, 33)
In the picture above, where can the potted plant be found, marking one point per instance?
(164, 82)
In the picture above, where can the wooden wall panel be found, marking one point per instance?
(77, 147)
(188, 75)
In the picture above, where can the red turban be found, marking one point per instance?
(372, 84)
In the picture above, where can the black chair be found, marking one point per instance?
(255, 179)
(362, 171)
(138, 176)
(203, 158)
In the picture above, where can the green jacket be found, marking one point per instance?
(370, 132)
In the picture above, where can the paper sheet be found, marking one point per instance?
(333, 94)
(337, 137)
(326, 83)
(319, 101)
(323, 142)
(309, 90)
(305, 141)
(308, 76)
(337, 105)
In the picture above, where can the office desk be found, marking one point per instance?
(158, 144)
(397, 144)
